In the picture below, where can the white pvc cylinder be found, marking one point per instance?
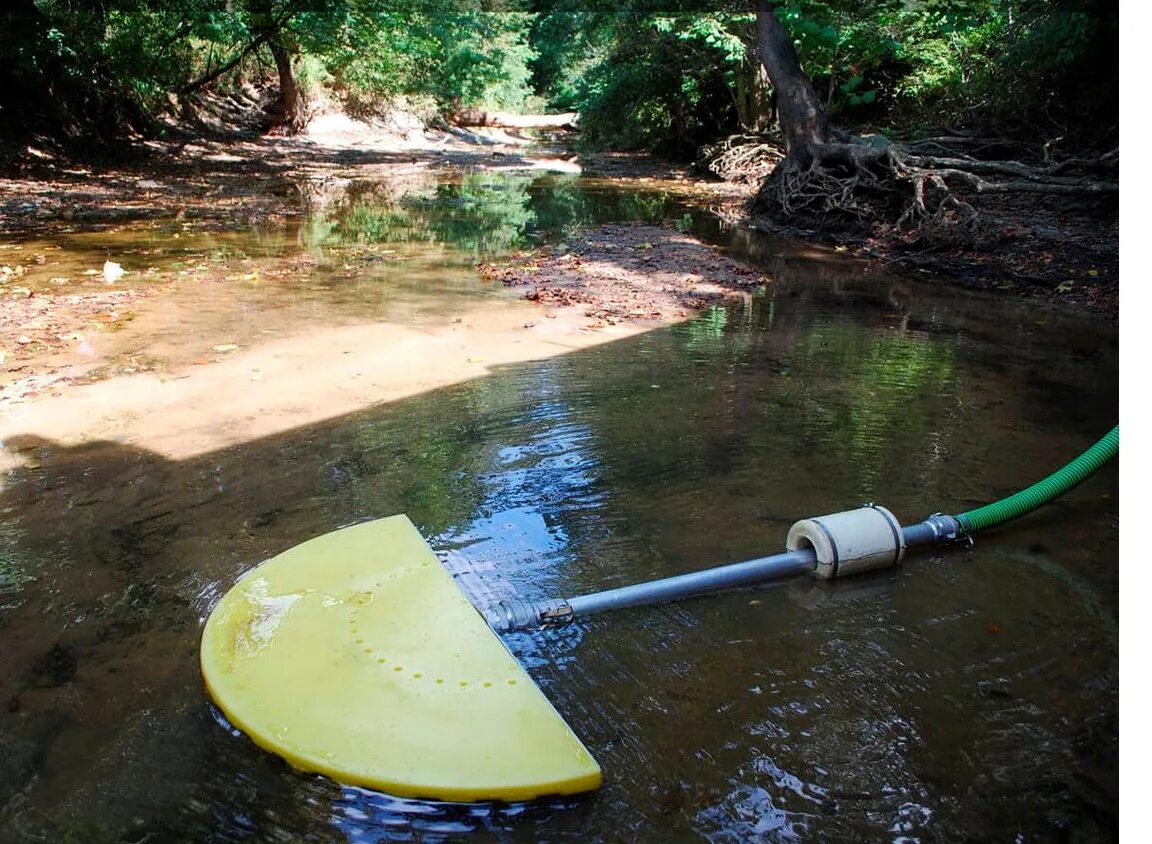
(850, 542)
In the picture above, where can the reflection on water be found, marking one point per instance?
(966, 695)
(478, 214)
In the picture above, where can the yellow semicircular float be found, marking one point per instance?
(356, 656)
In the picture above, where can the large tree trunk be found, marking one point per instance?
(288, 111)
(803, 120)
(819, 157)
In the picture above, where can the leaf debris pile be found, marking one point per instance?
(622, 273)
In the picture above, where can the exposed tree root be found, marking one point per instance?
(924, 188)
(743, 159)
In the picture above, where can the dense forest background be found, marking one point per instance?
(666, 76)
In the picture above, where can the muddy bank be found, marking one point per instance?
(1062, 249)
(1064, 254)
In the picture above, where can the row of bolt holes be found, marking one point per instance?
(417, 675)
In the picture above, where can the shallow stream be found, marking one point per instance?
(967, 695)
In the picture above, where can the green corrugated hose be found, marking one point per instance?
(1052, 487)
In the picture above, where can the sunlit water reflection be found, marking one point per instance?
(970, 695)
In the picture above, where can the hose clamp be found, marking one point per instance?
(948, 529)
(556, 615)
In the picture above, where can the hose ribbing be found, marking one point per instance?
(1041, 493)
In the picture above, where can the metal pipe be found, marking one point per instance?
(698, 582)
(517, 615)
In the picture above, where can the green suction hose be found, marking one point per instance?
(1052, 487)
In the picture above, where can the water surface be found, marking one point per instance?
(967, 695)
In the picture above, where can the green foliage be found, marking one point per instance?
(665, 75)
(51, 78)
(369, 50)
(456, 54)
(1054, 57)
(640, 76)
(949, 58)
(662, 74)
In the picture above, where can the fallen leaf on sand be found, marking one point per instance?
(112, 272)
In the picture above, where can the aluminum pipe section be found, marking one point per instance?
(850, 542)
(716, 579)
(517, 615)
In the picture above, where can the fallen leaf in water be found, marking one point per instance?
(225, 347)
(1093, 273)
(112, 272)
(1065, 286)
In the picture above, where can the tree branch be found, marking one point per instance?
(266, 32)
(213, 75)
